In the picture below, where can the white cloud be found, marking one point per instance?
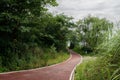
(109, 9)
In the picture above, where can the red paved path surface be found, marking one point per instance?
(60, 71)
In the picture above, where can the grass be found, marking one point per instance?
(83, 69)
(96, 68)
(60, 58)
(40, 58)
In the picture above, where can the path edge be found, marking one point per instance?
(72, 73)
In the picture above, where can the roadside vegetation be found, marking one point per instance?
(40, 58)
(85, 68)
(30, 36)
(100, 62)
(105, 66)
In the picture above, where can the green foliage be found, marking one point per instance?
(77, 49)
(92, 31)
(111, 50)
(25, 26)
(61, 56)
(106, 67)
(92, 69)
(55, 31)
(41, 57)
(84, 68)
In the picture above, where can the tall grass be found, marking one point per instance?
(85, 69)
(93, 68)
(106, 66)
(36, 58)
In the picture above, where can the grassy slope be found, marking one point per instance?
(37, 60)
(83, 69)
(60, 58)
(96, 68)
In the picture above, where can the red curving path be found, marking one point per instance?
(60, 71)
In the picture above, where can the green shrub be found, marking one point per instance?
(34, 58)
(107, 67)
(92, 69)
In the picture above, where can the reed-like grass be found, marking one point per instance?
(107, 64)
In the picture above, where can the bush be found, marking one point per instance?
(107, 67)
(34, 58)
(86, 49)
(92, 69)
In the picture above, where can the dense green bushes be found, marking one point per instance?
(25, 26)
(41, 57)
(106, 66)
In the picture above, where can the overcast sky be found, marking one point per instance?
(109, 9)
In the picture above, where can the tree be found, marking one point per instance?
(17, 19)
(92, 31)
(56, 30)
